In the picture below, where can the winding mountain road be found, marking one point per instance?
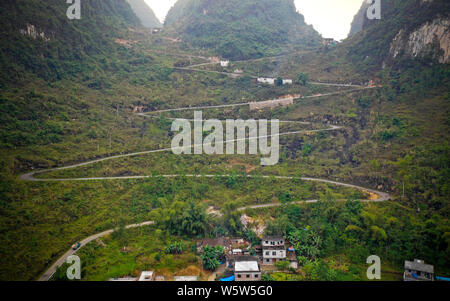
(51, 271)
(382, 196)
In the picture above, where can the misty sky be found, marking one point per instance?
(332, 18)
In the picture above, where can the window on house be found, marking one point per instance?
(239, 275)
(248, 275)
(267, 253)
(274, 253)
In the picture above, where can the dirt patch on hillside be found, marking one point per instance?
(248, 167)
(256, 224)
(371, 196)
(191, 270)
(126, 43)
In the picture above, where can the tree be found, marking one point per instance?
(302, 78)
(175, 248)
(282, 265)
(211, 256)
(306, 243)
(267, 277)
(193, 219)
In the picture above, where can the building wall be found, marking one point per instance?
(271, 103)
(247, 276)
(274, 254)
(273, 242)
(270, 81)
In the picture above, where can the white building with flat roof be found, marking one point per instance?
(147, 276)
(274, 249)
(265, 80)
(224, 63)
(247, 270)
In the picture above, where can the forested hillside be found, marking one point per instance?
(38, 37)
(71, 92)
(239, 29)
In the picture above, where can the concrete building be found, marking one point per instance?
(417, 270)
(224, 63)
(292, 258)
(265, 80)
(147, 276)
(273, 249)
(237, 252)
(287, 82)
(270, 104)
(246, 268)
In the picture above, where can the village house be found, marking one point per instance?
(417, 270)
(273, 249)
(246, 268)
(147, 276)
(224, 63)
(214, 59)
(274, 103)
(272, 81)
(292, 258)
(264, 80)
(329, 42)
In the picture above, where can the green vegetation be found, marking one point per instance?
(71, 99)
(302, 78)
(211, 257)
(141, 249)
(175, 248)
(241, 29)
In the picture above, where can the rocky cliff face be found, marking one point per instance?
(408, 29)
(359, 20)
(432, 40)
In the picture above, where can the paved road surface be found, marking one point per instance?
(49, 273)
(382, 196)
(30, 176)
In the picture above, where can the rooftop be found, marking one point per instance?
(419, 265)
(213, 242)
(273, 238)
(146, 276)
(246, 266)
